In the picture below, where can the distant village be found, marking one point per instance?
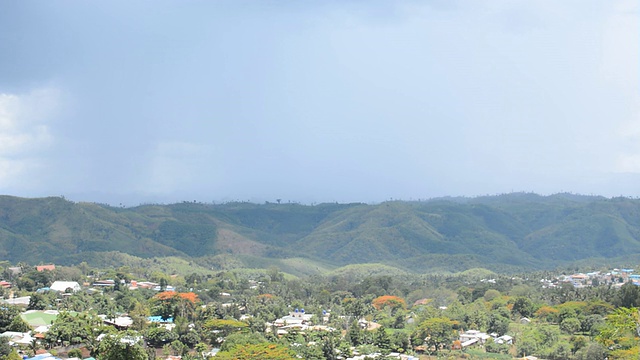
(613, 277)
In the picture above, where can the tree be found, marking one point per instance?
(179, 348)
(190, 338)
(493, 347)
(75, 353)
(13, 355)
(523, 306)
(122, 346)
(491, 295)
(628, 296)
(7, 314)
(619, 330)
(357, 307)
(224, 327)
(498, 323)
(139, 315)
(38, 302)
(381, 338)
(158, 336)
(393, 302)
(560, 351)
(436, 333)
(239, 339)
(19, 325)
(570, 325)
(163, 284)
(354, 334)
(5, 348)
(593, 351)
(264, 351)
(329, 347)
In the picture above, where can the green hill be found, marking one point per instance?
(500, 233)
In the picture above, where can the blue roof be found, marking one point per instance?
(43, 357)
(159, 319)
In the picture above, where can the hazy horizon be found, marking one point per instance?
(168, 101)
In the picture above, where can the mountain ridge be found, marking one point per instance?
(513, 231)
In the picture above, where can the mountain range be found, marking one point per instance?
(503, 232)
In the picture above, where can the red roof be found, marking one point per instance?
(45, 267)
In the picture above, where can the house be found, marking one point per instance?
(62, 286)
(104, 283)
(504, 339)
(17, 337)
(471, 337)
(50, 267)
(120, 322)
(146, 284)
(295, 318)
(23, 301)
(16, 270)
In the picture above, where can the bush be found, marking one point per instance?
(75, 353)
(493, 347)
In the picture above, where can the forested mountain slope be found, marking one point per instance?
(515, 230)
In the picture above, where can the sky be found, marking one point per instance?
(128, 102)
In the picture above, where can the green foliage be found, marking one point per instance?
(619, 331)
(537, 340)
(74, 328)
(436, 333)
(123, 346)
(514, 231)
(19, 325)
(220, 328)
(570, 325)
(523, 306)
(5, 348)
(265, 351)
(158, 336)
(13, 355)
(493, 347)
(75, 353)
(239, 339)
(7, 316)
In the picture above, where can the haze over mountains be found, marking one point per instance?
(507, 232)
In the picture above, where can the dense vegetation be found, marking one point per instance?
(236, 312)
(503, 233)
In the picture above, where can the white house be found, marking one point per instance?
(62, 286)
(504, 339)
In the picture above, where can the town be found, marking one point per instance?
(57, 312)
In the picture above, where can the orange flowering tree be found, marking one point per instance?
(169, 303)
(547, 313)
(393, 302)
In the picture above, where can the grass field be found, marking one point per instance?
(38, 318)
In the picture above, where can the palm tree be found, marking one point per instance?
(34, 345)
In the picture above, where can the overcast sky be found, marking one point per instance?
(164, 101)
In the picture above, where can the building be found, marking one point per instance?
(63, 286)
(49, 267)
